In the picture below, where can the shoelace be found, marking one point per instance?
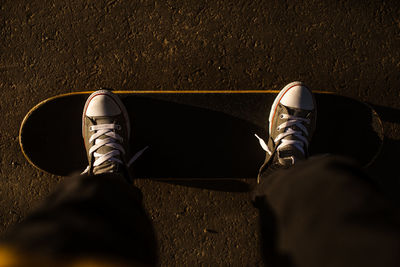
(292, 121)
(110, 141)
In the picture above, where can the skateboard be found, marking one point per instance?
(195, 134)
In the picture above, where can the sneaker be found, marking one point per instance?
(106, 131)
(292, 122)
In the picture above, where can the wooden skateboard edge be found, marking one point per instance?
(382, 130)
(20, 136)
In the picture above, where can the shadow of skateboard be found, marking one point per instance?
(195, 135)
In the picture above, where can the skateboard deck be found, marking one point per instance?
(195, 134)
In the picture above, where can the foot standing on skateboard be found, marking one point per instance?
(95, 218)
(106, 131)
(320, 211)
(314, 212)
(292, 122)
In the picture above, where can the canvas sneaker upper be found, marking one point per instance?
(292, 122)
(106, 131)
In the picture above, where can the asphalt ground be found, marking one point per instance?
(53, 47)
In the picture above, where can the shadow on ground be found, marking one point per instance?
(224, 185)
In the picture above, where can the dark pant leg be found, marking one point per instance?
(327, 212)
(89, 217)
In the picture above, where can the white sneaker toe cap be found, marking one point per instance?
(102, 105)
(298, 96)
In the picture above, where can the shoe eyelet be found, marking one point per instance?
(281, 116)
(278, 129)
(91, 129)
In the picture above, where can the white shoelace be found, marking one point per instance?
(110, 141)
(292, 121)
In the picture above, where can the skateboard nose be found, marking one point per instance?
(299, 97)
(102, 105)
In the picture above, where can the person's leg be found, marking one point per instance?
(97, 217)
(320, 212)
(328, 213)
